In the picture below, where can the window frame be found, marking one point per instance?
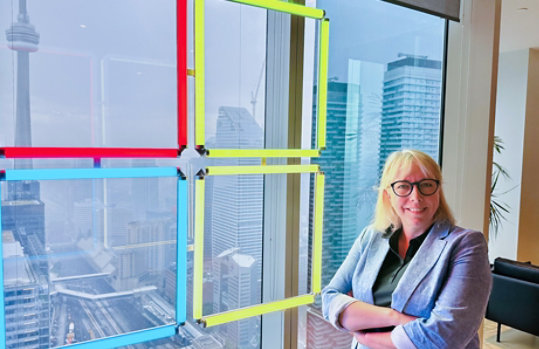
(132, 337)
(323, 52)
(17, 152)
(198, 268)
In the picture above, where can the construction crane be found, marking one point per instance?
(254, 94)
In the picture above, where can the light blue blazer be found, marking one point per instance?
(446, 285)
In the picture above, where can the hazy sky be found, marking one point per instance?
(101, 66)
(376, 31)
(105, 74)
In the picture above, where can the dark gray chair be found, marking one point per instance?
(514, 300)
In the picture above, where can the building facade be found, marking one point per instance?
(411, 106)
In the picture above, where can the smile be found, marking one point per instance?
(415, 210)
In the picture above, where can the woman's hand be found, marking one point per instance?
(375, 340)
(404, 319)
(360, 315)
(380, 340)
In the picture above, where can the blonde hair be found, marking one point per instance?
(384, 215)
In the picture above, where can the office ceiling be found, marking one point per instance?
(519, 25)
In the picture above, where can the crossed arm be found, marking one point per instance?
(354, 316)
(360, 316)
(459, 305)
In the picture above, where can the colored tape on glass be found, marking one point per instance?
(255, 310)
(200, 101)
(262, 153)
(322, 83)
(88, 173)
(181, 67)
(127, 339)
(76, 152)
(286, 7)
(269, 169)
(198, 263)
(181, 251)
(198, 267)
(200, 117)
(2, 302)
(181, 242)
(316, 275)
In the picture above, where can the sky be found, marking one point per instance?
(105, 68)
(104, 74)
(376, 31)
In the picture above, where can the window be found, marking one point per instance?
(96, 78)
(91, 247)
(93, 256)
(379, 54)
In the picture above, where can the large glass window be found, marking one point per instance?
(384, 94)
(90, 258)
(247, 74)
(103, 76)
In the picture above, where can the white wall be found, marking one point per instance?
(469, 111)
(510, 119)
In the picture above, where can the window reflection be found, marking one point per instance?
(384, 94)
(103, 76)
(86, 259)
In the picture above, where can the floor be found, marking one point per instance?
(509, 338)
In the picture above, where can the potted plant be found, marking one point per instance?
(498, 209)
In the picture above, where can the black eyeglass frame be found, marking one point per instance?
(417, 184)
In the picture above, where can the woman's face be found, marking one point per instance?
(416, 210)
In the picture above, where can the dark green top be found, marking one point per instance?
(394, 267)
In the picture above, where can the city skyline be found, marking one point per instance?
(340, 93)
(355, 109)
(105, 221)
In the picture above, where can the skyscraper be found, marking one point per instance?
(238, 287)
(237, 213)
(237, 200)
(350, 164)
(144, 191)
(24, 196)
(340, 163)
(24, 213)
(26, 298)
(23, 38)
(148, 251)
(411, 106)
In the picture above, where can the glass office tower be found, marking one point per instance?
(411, 106)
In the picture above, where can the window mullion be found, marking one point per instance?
(276, 133)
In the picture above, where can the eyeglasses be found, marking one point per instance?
(425, 186)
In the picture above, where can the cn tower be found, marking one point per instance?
(23, 38)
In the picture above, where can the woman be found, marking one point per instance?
(413, 279)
